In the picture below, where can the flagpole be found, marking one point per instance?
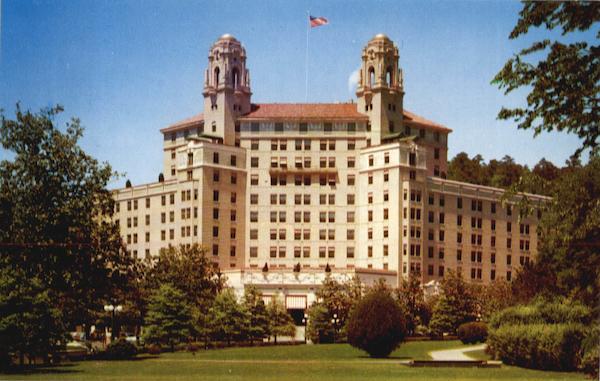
(306, 58)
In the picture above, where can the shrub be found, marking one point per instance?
(471, 333)
(542, 311)
(591, 352)
(539, 346)
(154, 349)
(193, 348)
(120, 350)
(377, 324)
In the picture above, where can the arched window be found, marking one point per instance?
(217, 71)
(371, 76)
(235, 78)
(388, 76)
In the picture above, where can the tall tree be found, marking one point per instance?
(456, 304)
(229, 320)
(411, 297)
(55, 215)
(281, 322)
(563, 85)
(259, 327)
(169, 318)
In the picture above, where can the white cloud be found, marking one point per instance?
(353, 81)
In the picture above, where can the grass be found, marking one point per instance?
(319, 362)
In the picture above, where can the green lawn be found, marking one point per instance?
(304, 362)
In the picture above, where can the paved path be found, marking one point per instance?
(455, 354)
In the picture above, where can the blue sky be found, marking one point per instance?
(129, 68)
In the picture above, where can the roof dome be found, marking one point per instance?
(227, 36)
(381, 36)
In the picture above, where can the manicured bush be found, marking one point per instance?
(120, 350)
(538, 346)
(154, 349)
(377, 324)
(542, 311)
(471, 333)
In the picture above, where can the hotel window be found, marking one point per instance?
(297, 216)
(386, 158)
(232, 251)
(331, 216)
(331, 198)
(254, 145)
(436, 153)
(279, 127)
(459, 220)
(508, 243)
(459, 202)
(232, 215)
(282, 233)
(370, 160)
(216, 195)
(493, 241)
(327, 127)
(385, 213)
(509, 210)
(351, 180)
(351, 162)
(493, 207)
(370, 198)
(430, 252)
(215, 157)
(386, 250)
(216, 176)
(215, 213)
(370, 214)
(215, 231)
(441, 218)
(331, 252)
(254, 162)
(163, 235)
(386, 176)
(350, 216)
(386, 195)
(493, 258)
(508, 227)
(332, 162)
(283, 145)
(412, 159)
(253, 233)
(306, 216)
(307, 162)
(351, 145)
(458, 237)
(386, 232)
(306, 234)
(493, 225)
(282, 199)
(430, 217)
(441, 236)
(171, 233)
(298, 145)
(508, 259)
(370, 178)
(273, 252)
(322, 162)
(273, 234)
(303, 127)
(171, 216)
(332, 145)
(459, 255)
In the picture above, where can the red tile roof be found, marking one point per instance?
(419, 120)
(186, 123)
(306, 111)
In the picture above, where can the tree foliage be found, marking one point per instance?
(563, 84)
(259, 326)
(456, 304)
(377, 324)
(169, 318)
(282, 323)
(411, 297)
(55, 218)
(229, 320)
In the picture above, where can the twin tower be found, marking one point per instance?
(227, 91)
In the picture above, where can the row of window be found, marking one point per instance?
(326, 127)
(303, 145)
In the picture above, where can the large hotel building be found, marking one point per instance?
(280, 195)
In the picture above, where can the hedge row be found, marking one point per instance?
(539, 346)
(543, 312)
(471, 333)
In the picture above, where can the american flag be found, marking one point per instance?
(317, 21)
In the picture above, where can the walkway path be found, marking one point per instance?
(455, 354)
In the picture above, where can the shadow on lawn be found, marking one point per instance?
(395, 358)
(65, 368)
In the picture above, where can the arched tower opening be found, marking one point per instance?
(371, 77)
(216, 76)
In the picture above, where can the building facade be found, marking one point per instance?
(280, 195)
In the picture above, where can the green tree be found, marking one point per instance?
(563, 83)
(377, 323)
(319, 328)
(570, 233)
(229, 320)
(29, 324)
(280, 320)
(169, 318)
(55, 216)
(259, 319)
(411, 297)
(494, 297)
(456, 304)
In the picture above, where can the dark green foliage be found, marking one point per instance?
(281, 322)
(120, 350)
(411, 298)
(377, 324)
(229, 320)
(456, 304)
(538, 346)
(590, 362)
(55, 220)
(471, 333)
(561, 76)
(169, 318)
(319, 329)
(259, 327)
(30, 324)
(560, 311)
